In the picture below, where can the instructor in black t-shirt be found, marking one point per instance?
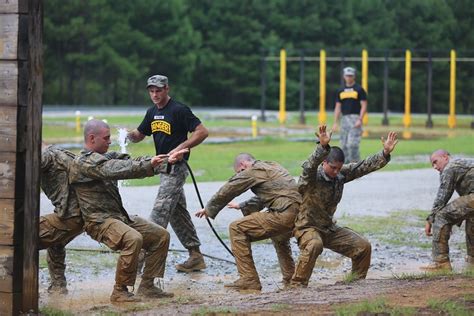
(351, 101)
(170, 122)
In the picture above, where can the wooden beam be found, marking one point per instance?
(10, 303)
(13, 6)
(7, 220)
(9, 83)
(9, 40)
(33, 156)
(8, 121)
(10, 269)
(7, 175)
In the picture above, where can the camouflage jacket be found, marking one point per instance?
(321, 194)
(272, 184)
(457, 175)
(55, 163)
(94, 178)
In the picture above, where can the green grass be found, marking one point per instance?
(449, 307)
(204, 310)
(51, 311)
(374, 307)
(350, 278)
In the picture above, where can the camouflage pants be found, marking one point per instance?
(342, 240)
(454, 213)
(170, 207)
(350, 137)
(130, 239)
(55, 233)
(260, 226)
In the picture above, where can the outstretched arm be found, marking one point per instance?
(135, 136)
(310, 166)
(197, 137)
(358, 169)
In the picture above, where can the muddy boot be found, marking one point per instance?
(148, 289)
(438, 266)
(195, 262)
(57, 288)
(141, 262)
(470, 260)
(121, 294)
(244, 284)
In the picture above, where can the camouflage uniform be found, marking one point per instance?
(93, 177)
(56, 230)
(315, 228)
(457, 175)
(170, 206)
(350, 137)
(276, 190)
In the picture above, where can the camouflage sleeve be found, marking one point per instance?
(46, 159)
(237, 185)
(310, 166)
(252, 205)
(445, 191)
(116, 155)
(99, 167)
(359, 169)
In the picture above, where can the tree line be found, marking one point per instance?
(101, 51)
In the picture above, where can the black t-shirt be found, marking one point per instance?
(170, 126)
(350, 98)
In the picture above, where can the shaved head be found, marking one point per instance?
(94, 127)
(242, 161)
(439, 159)
(440, 152)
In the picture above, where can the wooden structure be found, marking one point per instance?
(21, 71)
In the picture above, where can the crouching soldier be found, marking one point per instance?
(321, 185)
(94, 176)
(274, 189)
(455, 175)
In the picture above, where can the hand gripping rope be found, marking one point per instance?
(202, 206)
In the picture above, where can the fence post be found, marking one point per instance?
(282, 112)
(263, 88)
(322, 87)
(407, 115)
(365, 81)
(452, 91)
(429, 121)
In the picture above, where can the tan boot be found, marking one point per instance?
(438, 266)
(57, 288)
(121, 294)
(148, 289)
(244, 284)
(195, 262)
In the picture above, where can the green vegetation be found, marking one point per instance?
(449, 307)
(374, 307)
(280, 307)
(350, 277)
(204, 310)
(469, 273)
(51, 311)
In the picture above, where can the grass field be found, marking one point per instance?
(213, 162)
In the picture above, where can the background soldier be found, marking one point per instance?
(94, 176)
(170, 122)
(351, 102)
(321, 185)
(56, 230)
(276, 190)
(455, 174)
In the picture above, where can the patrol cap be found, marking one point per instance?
(349, 71)
(157, 81)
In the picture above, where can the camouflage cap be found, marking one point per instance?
(349, 71)
(157, 81)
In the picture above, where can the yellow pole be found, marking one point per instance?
(78, 121)
(254, 126)
(452, 91)
(365, 79)
(282, 112)
(322, 87)
(407, 116)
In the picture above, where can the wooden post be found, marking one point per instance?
(20, 144)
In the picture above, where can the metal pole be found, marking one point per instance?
(429, 94)
(302, 116)
(452, 91)
(263, 92)
(385, 91)
(322, 87)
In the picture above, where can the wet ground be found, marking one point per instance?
(379, 195)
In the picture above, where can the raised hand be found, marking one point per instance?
(202, 213)
(428, 229)
(390, 143)
(157, 160)
(324, 137)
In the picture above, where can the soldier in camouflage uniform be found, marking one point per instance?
(455, 175)
(351, 102)
(56, 230)
(94, 176)
(321, 185)
(170, 122)
(274, 189)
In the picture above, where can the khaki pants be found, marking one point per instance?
(130, 239)
(343, 240)
(55, 233)
(259, 226)
(453, 213)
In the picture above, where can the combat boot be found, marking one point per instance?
(120, 294)
(148, 289)
(195, 262)
(244, 284)
(57, 288)
(470, 260)
(438, 266)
